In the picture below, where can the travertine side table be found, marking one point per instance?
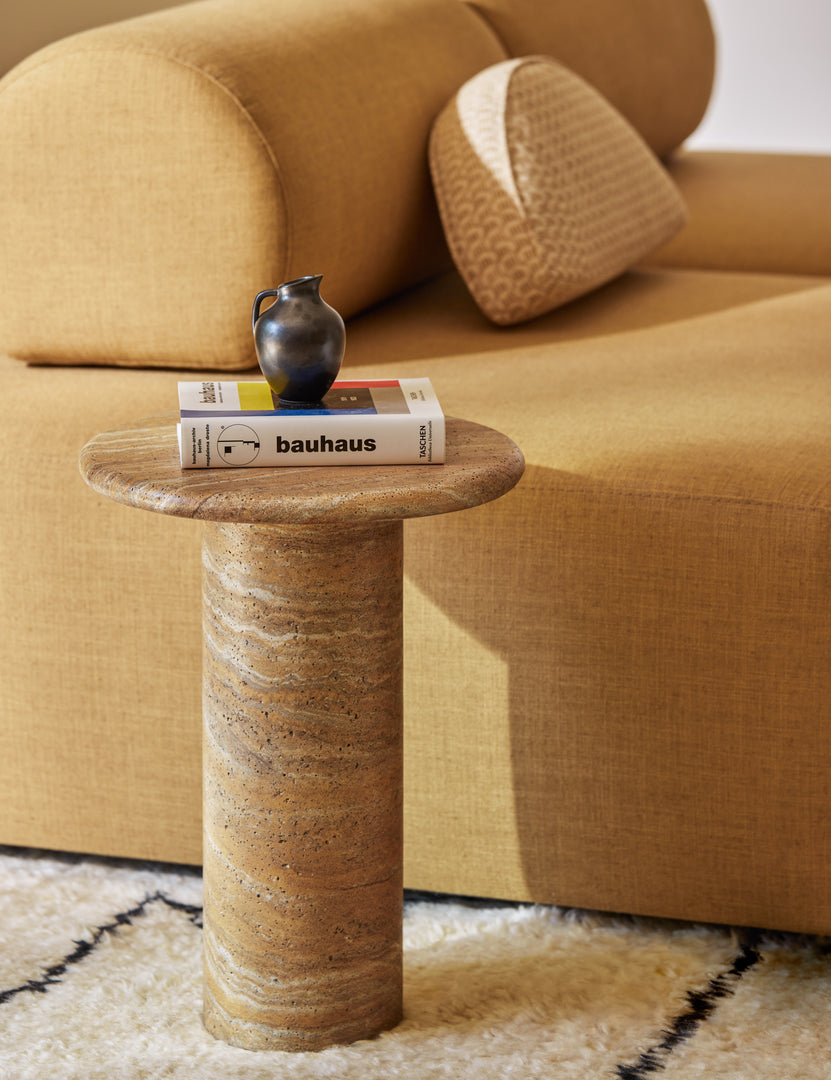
(302, 701)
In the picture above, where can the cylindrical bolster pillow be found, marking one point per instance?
(156, 174)
(653, 60)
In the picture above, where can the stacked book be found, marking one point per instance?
(244, 424)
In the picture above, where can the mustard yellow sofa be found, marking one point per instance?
(618, 677)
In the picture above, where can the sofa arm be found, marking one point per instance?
(756, 212)
(159, 172)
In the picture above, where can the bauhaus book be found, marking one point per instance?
(243, 424)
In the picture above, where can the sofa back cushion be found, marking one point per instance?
(156, 174)
(653, 60)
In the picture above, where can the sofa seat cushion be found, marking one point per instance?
(441, 319)
(639, 636)
(545, 191)
(724, 408)
(626, 657)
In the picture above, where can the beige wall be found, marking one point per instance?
(27, 25)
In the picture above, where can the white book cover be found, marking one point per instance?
(243, 424)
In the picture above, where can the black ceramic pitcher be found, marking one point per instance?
(299, 339)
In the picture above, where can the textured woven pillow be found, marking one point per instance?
(544, 189)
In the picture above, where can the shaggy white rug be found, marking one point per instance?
(100, 977)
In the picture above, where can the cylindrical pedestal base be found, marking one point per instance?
(302, 783)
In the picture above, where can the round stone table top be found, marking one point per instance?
(139, 465)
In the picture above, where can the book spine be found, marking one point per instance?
(208, 442)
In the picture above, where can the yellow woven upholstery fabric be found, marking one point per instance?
(153, 183)
(545, 191)
(729, 195)
(161, 171)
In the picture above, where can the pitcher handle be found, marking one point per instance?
(255, 311)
